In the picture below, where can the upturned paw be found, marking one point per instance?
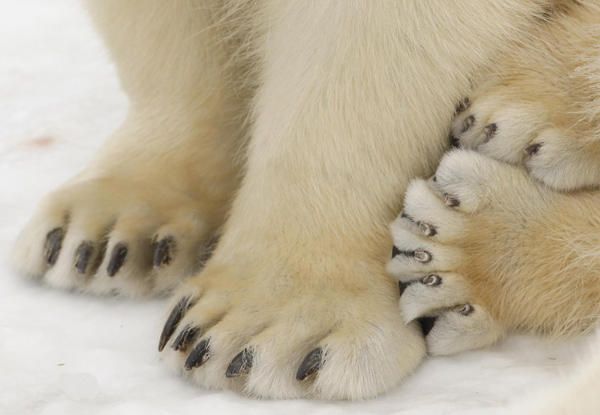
(436, 255)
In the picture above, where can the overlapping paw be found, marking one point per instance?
(429, 259)
(557, 150)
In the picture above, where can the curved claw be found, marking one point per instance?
(164, 252)
(533, 149)
(311, 364)
(451, 201)
(54, 240)
(83, 255)
(174, 318)
(117, 259)
(198, 356)
(241, 364)
(462, 105)
(186, 337)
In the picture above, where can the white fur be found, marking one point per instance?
(344, 103)
(576, 394)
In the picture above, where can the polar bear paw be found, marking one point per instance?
(263, 329)
(559, 150)
(435, 240)
(110, 236)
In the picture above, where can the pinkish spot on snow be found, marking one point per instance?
(41, 142)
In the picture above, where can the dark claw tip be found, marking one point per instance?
(83, 255)
(432, 280)
(451, 201)
(186, 337)
(117, 259)
(466, 310)
(164, 252)
(490, 131)
(428, 229)
(198, 356)
(406, 216)
(533, 149)
(454, 142)
(54, 240)
(468, 123)
(241, 364)
(462, 105)
(174, 318)
(422, 256)
(311, 364)
(427, 324)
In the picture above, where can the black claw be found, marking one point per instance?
(454, 142)
(468, 123)
(174, 318)
(422, 256)
(419, 254)
(432, 280)
(311, 364)
(405, 215)
(466, 310)
(451, 201)
(490, 131)
(198, 356)
(462, 105)
(427, 229)
(186, 337)
(164, 252)
(54, 240)
(117, 259)
(427, 324)
(83, 256)
(241, 364)
(533, 149)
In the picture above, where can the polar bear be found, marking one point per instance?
(492, 246)
(288, 131)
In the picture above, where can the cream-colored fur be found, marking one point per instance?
(576, 394)
(484, 248)
(327, 110)
(492, 234)
(547, 94)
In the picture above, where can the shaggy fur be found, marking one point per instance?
(302, 123)
(509, 243)
(484, 248)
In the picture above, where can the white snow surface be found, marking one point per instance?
(63, 353)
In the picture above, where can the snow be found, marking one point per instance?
(62, 353)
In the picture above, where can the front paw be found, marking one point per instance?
(269, 331)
